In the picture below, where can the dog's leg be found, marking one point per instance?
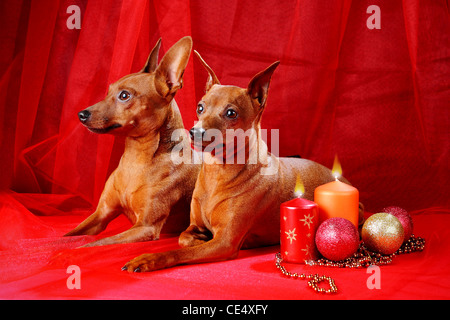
(194, 236)
(142, 230)
(136, 233)
(107, 210)
(96, 222)
(227, 238)
(218, 249)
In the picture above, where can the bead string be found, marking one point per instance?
(365, 258)
(362, 258)
(314, 279)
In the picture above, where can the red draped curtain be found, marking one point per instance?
(376, 96)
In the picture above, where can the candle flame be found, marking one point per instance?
(337, 169)
(299, 190)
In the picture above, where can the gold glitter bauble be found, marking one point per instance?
(383, 233)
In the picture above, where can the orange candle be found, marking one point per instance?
(337, 199)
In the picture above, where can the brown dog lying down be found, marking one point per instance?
(147, 186)
(236, 204)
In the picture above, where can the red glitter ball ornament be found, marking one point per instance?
(405, 219)
(337, 239)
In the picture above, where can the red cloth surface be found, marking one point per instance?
(35, 267)
(379, 99)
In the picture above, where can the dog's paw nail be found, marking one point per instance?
(124, 268)
(137, 269)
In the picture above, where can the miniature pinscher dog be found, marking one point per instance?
(235, 205)
(147, 186)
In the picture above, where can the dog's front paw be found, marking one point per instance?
(145, 263)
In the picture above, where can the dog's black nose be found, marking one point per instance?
(84, 115)
(197, 133)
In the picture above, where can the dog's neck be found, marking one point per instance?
(146, 148)
(173, 122)
(256, 157)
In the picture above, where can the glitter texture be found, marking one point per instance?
(383, 233)
(337, 239)
(405, 219)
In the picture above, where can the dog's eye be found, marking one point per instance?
(124, 95)
(231, 114)
(200, 109)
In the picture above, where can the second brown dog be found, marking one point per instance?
(235, 205)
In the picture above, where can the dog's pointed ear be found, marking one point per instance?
(169, 73)
(152, 61)
(212, 78)
(258, 87)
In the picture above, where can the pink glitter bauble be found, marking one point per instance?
(337, 239)
(405, 219)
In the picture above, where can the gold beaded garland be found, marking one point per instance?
(363, 258)
(314, 279)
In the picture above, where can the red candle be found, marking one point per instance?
(299, 220)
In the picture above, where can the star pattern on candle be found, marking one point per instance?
(291, 235)
(307, 220)
(307, 253)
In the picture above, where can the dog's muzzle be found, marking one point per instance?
(84, 116)
(197, 134)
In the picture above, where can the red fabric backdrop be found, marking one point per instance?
(378, 98)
